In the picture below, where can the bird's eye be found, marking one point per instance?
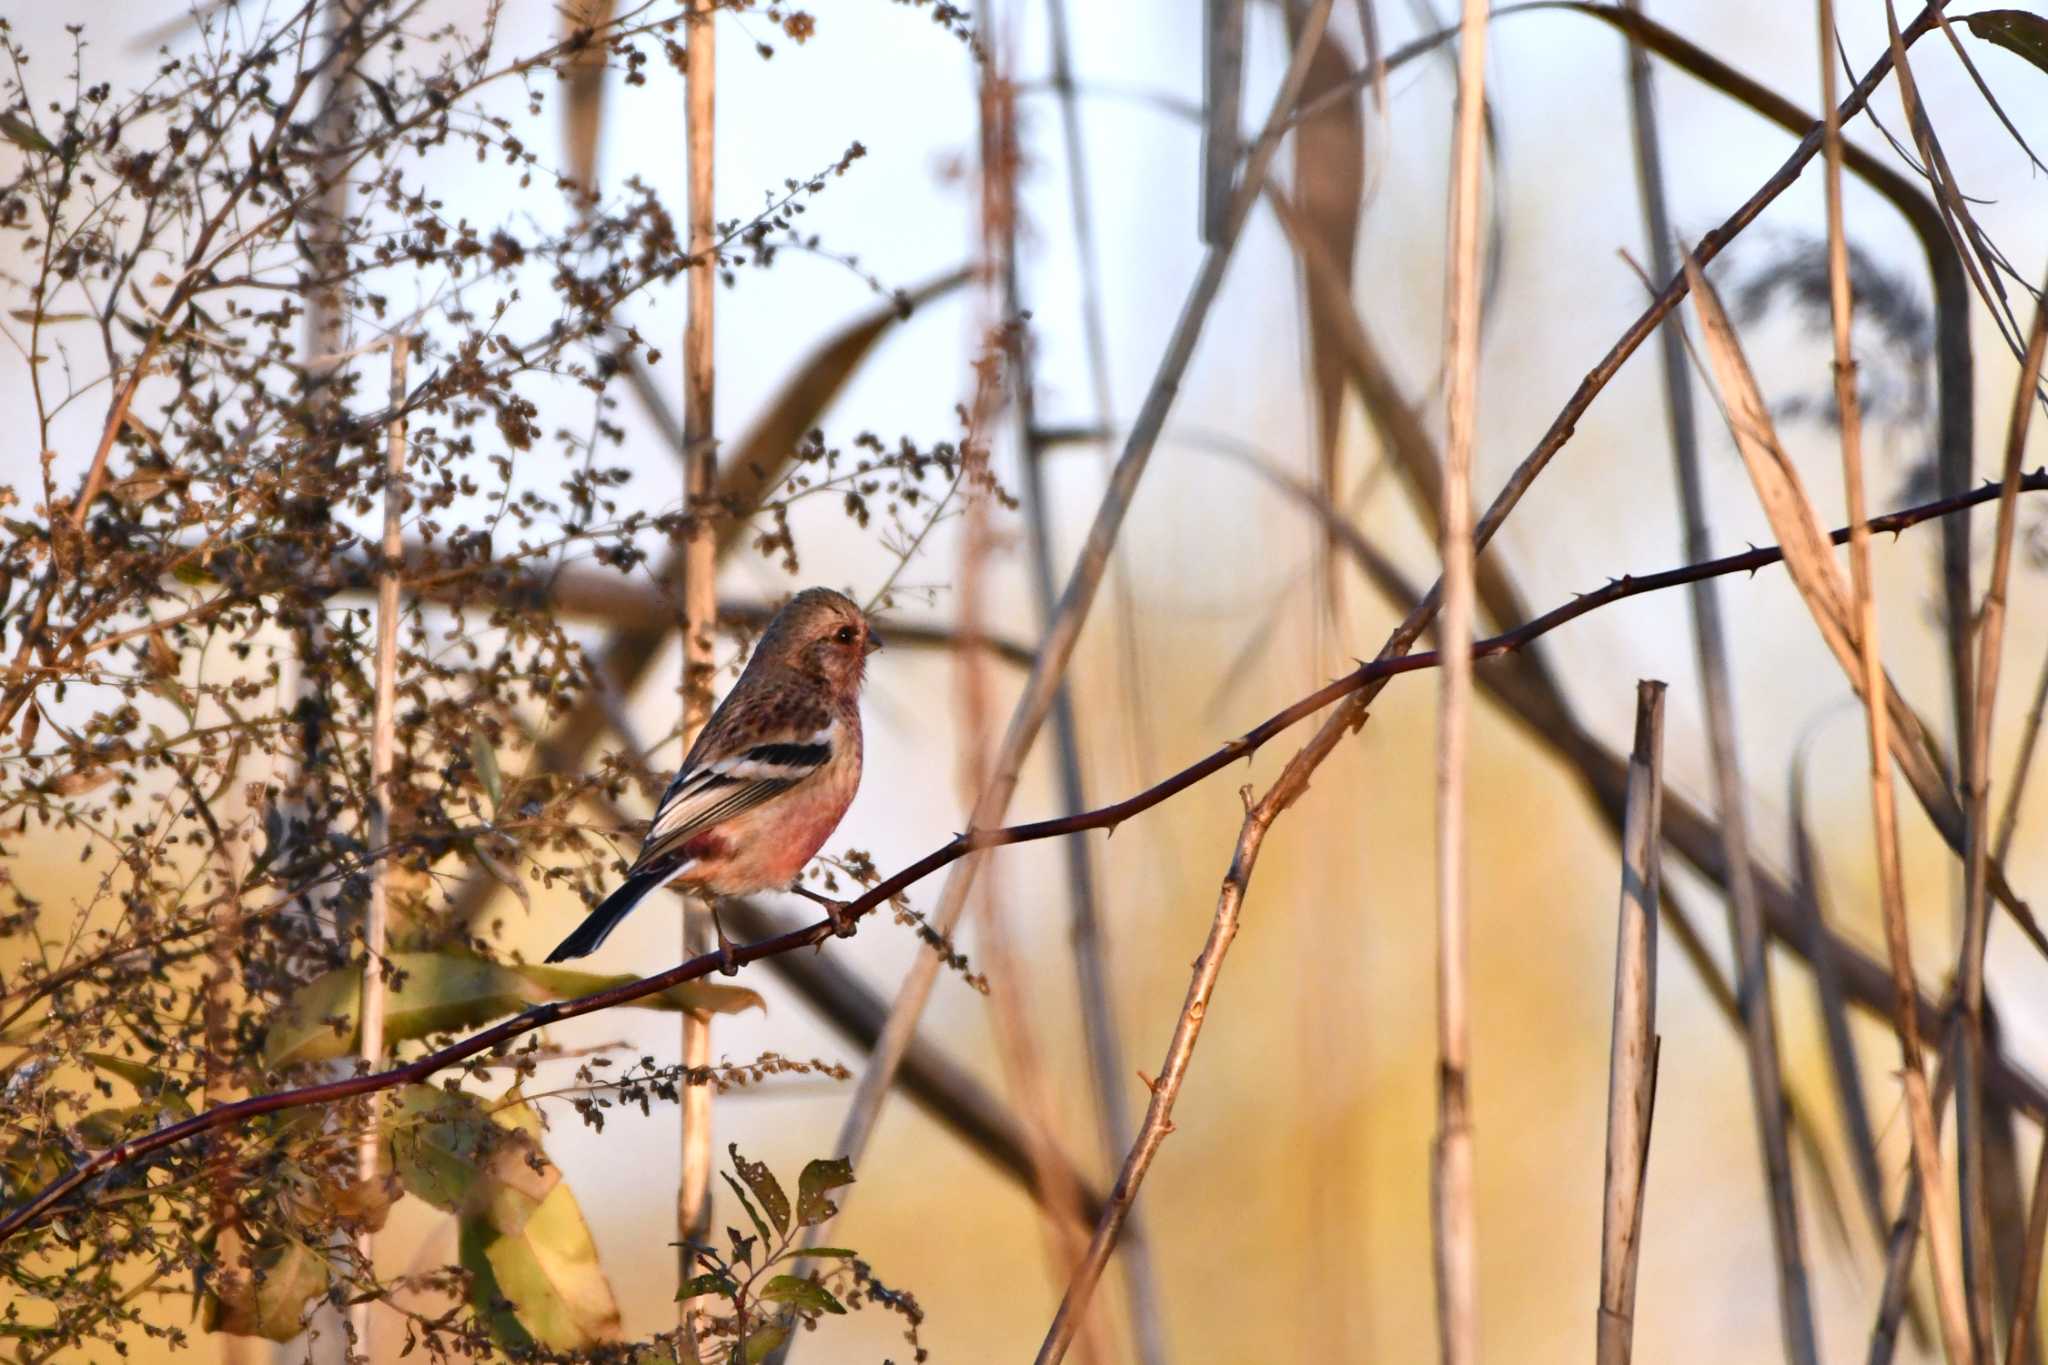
(844, 635)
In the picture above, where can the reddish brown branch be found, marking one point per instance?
(1104, 817)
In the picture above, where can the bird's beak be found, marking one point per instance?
(874, 643)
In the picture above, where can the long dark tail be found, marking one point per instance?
(597, 926)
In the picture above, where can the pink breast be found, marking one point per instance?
(770, 844)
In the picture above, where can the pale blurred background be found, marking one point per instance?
(1288, 1213)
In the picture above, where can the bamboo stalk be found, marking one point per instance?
(699, 587)
(1632, 1054)
(1454, 1218)
(383, 746)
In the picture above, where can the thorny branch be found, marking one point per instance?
(1108, 817)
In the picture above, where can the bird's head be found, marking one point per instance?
(823, 634)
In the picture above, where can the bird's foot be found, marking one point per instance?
(843, 924)
(727, 963)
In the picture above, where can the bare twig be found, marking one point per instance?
(1452, 1195)
(1632, 1054)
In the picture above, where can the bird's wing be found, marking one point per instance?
(718, 788)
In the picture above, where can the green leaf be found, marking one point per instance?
(760, 1227)
(801, 1293)
(32, 316)
(833, 1253)
(534, 1273)
(266, 1297)
(486, 1296)
(812, 1207)
(23, 134)
(2015, 30)
(486, 760)
(765, 1186)
(442, 992)
(447, 1149)
(765, 1339)
(710, 1282)
(549, 1273)
(149, 1083)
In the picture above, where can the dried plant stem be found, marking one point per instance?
(1846, 1071)
(1016, 1044)
(1956, 1325)
(699, 586)
(1710, 648)
(1632, 1054)
(1904, 1241)
(2022, 765)
(2027, 1288)
(1064, 630)
(1090, 943)
(1222, 98)
(1454, 1219)
(383, 747)
(1970, 1099)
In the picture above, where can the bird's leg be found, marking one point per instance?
(842, 926)
(726, 964)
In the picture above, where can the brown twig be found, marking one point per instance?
(1632, 1054)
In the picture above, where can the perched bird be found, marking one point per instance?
(770, 776)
